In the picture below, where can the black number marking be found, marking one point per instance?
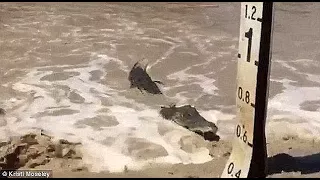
(230, 168)
(254, 11)
(245, 138)
(249, 36)
(247, 97)
(246, 11)
(240, 93)
(238, 174)
(238, 131)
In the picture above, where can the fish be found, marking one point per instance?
(189, 118)
(139, 78)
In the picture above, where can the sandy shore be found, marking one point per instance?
(288, 157)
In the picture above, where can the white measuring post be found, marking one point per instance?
(249, 153)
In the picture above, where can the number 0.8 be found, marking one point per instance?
(240, 95)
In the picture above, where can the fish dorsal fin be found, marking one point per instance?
(138, 62)
(135, 65)
(145, 67)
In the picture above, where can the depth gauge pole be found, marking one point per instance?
(249, 153)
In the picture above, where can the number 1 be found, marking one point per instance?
(246, 11)
(249, 36)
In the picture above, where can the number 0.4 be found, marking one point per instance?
(231, 168)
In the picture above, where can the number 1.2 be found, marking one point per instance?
(254, 9)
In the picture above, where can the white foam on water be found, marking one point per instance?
(45, 98)
(220, 119)
(167, 53)
(312, 77)
(284, 111)
(207, 84)
(190, 53)
(107, 30)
